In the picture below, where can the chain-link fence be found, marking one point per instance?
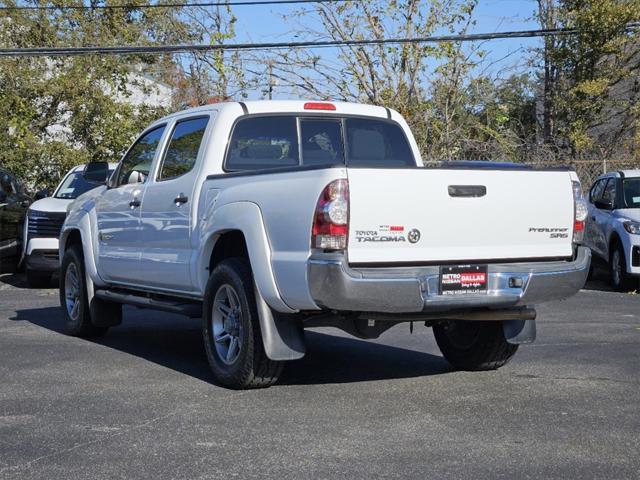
(589, 170)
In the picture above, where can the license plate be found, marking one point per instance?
(463, 279)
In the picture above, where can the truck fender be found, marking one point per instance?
(282, 335)
(245, 217)
(80, 220)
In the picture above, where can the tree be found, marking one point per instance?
(214, 76)
(591, 79)
(392, 75)
(61, 111)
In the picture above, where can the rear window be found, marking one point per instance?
(372, 143)
(264, 142)
(286, 141)
(321, 141)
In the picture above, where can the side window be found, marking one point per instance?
(610, 191)
(263, 142)
(6, 184)
(134, 168)
(321, 142)
(183, 148)
(596, 190)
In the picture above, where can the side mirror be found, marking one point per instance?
(602, 204)
(44, 193)
(96, 172)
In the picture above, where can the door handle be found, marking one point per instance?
(180, 199)
(135, 203)
(473, 191)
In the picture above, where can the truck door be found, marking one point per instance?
(592, 236)
(602, 220)
(167, 207)
(13, 205)
(118, 212)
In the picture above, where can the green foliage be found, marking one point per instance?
(61, 111)
(593, 93)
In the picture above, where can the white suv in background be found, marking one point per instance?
(613, 226)
(42, 226)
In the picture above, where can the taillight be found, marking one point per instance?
(580, 212)
(331, 218)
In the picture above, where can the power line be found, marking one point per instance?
(156, 49)
(240, 3)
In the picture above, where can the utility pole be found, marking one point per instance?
(270, 90)
(547, 16)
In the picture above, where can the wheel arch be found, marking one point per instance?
(238, 229)
(614, 239)
(240, 233)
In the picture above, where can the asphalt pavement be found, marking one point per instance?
(140, 402)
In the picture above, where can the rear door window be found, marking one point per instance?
(375, 143)
(183, 148)
(264, 142)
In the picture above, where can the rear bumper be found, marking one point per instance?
(334, 285)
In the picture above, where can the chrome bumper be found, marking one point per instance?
(334, 285)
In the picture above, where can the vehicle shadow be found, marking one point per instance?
(19, 280)
(175, 342)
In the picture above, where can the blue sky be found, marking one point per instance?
(266, 23)
(257, 23)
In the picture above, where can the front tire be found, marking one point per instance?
(620, 279)
(73, 296)
(474, 346)
(231, 329)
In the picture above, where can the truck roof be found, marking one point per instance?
(80, 168)
(292, 106)
(631, 173)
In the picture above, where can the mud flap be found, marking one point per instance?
(518, 332)
(282, 335)
(105, 314)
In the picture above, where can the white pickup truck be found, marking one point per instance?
(266, 218)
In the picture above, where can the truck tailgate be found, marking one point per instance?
(426, 215)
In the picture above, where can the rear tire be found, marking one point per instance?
(231, 329)
(73, 296)
(620, 279)
(474, 346)
(38, 279)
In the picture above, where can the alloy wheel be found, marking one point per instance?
(72, 291)
(227, 331)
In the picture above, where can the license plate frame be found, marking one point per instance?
(463, 280)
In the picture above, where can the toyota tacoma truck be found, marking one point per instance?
(267, 218)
